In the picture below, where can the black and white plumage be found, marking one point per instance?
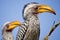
(22, 31)
(7, 30)
(31, 23)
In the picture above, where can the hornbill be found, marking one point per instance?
(30, 28)
(51, 30)
(7, 30)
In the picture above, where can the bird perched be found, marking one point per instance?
(7, 30)
(51, 30)
(31, 27)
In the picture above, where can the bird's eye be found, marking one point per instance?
(36, 8)
(7, 25)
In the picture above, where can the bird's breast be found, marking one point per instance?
(34, 24)
(33, 30)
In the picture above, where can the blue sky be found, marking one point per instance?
(11, 10)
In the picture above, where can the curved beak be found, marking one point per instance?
(13, 25)
(45, 8)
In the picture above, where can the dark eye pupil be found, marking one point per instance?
(7, 26)
(36, 8)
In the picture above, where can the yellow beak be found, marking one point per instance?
(13, 25)
(45, 8)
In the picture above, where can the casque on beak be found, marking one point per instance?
(45, 8)
(13, 25)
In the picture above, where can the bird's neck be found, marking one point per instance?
(33, 20)
(32, 17)
(7, 36)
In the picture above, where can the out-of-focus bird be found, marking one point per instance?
(30, 29)
(51, 30)
(7, 30)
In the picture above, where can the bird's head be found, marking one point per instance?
(9, 26)
(35, 8)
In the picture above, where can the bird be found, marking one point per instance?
(51, 30)
(7, 30)
(30, 28)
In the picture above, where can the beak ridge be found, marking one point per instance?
(45, 8)
(13, 25)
